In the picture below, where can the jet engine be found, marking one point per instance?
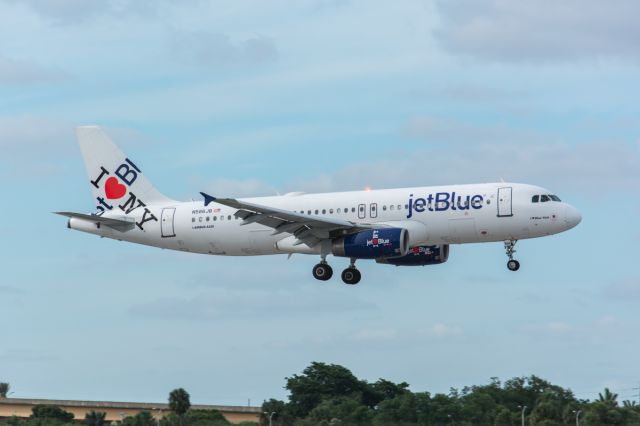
(373, 244)
(420, 256)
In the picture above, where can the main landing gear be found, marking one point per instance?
(323, 272)
(509, 247)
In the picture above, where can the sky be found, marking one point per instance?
(256, 98)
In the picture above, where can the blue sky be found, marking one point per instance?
(254, 98)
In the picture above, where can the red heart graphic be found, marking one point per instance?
(114, 189)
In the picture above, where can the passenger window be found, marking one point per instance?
(215, 218)
(324, 211)
(353, 209)
(193, 219)
(316, 211)
(221, 217)
(308, 211)
(339, 210)
(544, 198)
(200, 219)
(229, 217)
(330, 211)
(392, 207)
(208, 218)
(406, 206)
(535, 199)
(384, 208)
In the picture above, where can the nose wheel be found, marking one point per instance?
(509, 246)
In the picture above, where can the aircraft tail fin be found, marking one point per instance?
(115, 180)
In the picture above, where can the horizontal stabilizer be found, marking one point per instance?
(122, 224)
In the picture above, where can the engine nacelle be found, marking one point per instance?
(420, 256)
(373, 244)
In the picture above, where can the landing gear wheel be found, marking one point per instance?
(322, 272)
(510, 249)
(351, 276)
(513, 265)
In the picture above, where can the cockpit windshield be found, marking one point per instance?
(544, 198)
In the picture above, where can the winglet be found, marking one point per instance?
(208, 199)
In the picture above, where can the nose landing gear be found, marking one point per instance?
(509, 246)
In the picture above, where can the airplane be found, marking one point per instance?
(402, 227)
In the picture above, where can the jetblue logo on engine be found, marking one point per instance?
(376, 241)
(443, 201)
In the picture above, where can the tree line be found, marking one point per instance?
(329, 394)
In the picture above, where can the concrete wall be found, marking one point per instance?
(116, 411)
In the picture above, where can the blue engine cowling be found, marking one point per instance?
(373, 244)
(420, 256)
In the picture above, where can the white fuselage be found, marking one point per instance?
(455, 214)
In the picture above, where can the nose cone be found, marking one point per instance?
(572, 217)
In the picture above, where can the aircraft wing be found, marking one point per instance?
(309, 230)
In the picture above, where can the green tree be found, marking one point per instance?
(14, 421)
(318, 382)
(206, 418)
(608, 397)
(4, 389)
(504, 417)
(143, 418)
(478, 407)
(384, 389)
(51, 412)
(401, 410)
(345, 411)
(179, 402)
(282, 417)
(95, 418)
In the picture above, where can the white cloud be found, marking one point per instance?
(444, 330)
(27, 132)
(67, 12)
(539, 31)
(628, 289)
(455, 152)
(239, 188)
(216, 50)
(376, 334)
(558, 327)
(21, 72)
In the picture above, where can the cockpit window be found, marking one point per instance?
(535, 199)
(554, 197)
(544, 198)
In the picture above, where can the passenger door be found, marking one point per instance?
(166, 224)
(505, 202)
